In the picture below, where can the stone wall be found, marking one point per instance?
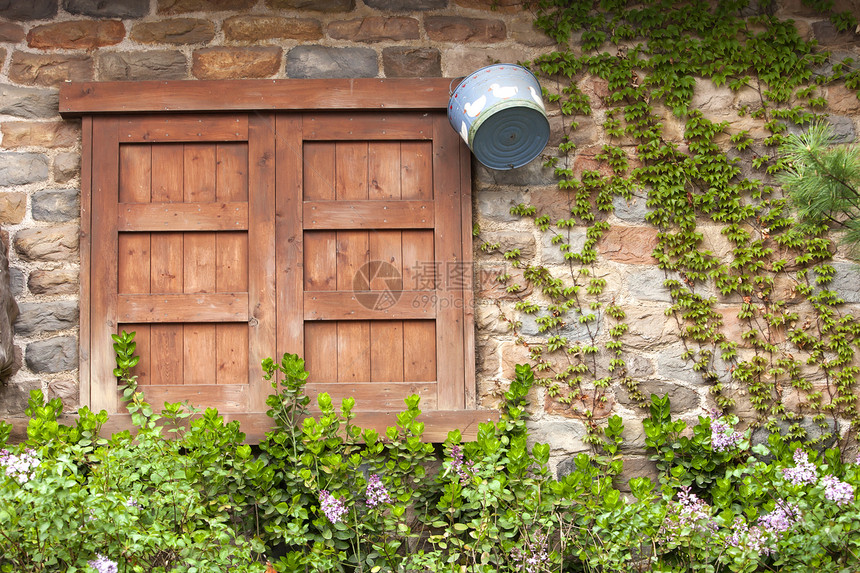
(46, 42)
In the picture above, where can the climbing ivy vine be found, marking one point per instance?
(650, 55)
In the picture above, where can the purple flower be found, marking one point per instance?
(103, 564)
(20, 468)
(333, 508)
(803, 471)
(747, 538)
(465, 469)
(837, 491)
(723, 437)
(782, 518)
(376, 493)
(531, 557)
(688, 512)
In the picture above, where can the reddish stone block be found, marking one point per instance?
(77, 35)
(458, 29)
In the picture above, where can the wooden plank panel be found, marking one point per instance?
(105, 195)
(166, 366)
(85, 344)
(288, 234)
(353, 351)
(184, 128)
(385, 251)
(369, 214)
(377, 396)
(231, 178)
(143, 350)
(199, 174)
(133, 264)
(448, 246)
(199, 354)
(416, 170)
(420, 270)
(419, 350)
(318, 171)
(320, 260)
(368, 305)
(320, 350)
(262, 280)
(469, 359)
(198, 262)
(386, 351)
(231, 262)
(351, 170)
(204, 307)
(353, 251)
(226, 398)
(167, 262)
(345, 126)
(183, 217)
(383, 169)
(168, 161)
(231, 353)
(135, 173)
(252, 95)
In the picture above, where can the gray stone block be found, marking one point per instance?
(843, 128)
(56, 205)
(327, 62)
(632, 211)
(112, 9)
(572, 329)
(14, 397)
(28, 103)
(533, 173)
(846, 281)
(28, 9)
(16, 281)
(22, 168)
(406, 5)
(143, 65)
(670, 364)
(681, 398)
(41, 317)
(814, 431)
(552, 253)
(67, 166)
(497, 205)
(647, 284)
(562, 436)
(53, 355)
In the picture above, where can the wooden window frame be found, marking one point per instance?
(93, 99)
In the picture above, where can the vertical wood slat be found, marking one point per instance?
(85, 342)
(318, 170)
(419, 350)
(321, 351)
(105, 195)
(469, 359)
(198, 353)
(168, 160)
(231, 353)
(448, 245)
(320, 260)
(289, 234)
(353, 351)
(143, 349)
(167, 353)
(231, 177)
(135, 173)
(199, 172)
(231, 262)
(416, 170)
(386, 351)
(262, 281)
(383, 170)
(351, 170)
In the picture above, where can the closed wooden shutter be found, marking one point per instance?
(226, 238)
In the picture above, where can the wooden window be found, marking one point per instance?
(226, 231)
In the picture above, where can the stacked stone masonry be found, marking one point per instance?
(44, 43)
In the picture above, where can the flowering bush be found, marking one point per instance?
(320, 494)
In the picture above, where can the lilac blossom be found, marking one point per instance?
(20, 468)
(376, 493)
(747, 538)
(103, 565)
(837, 491)
(723, 437)
(333, 508)
(533, 555)
(689, 512)
(803, 471)
(131, 502)
(464, 469)
(782, 518)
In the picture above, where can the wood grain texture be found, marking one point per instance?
(336, 126)
(185, 307)
(178, 128)
(250, 95)
(85, 344)
(183, 217)
(321, 351)
(370, 395)
(369, 214)
(469, 358)
(226, 398)
(368, 305)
